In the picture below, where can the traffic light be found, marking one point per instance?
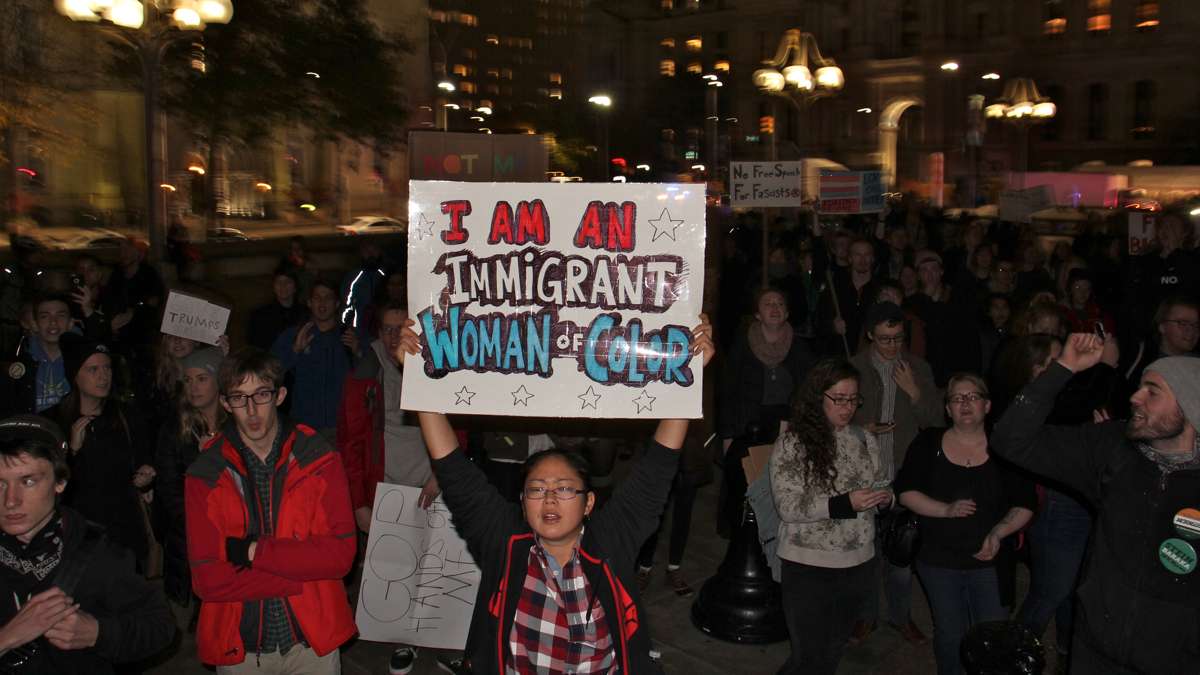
(766, 124)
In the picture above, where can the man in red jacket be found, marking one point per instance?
(270, 534)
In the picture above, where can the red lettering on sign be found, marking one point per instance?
(456, 209)
(607, 226)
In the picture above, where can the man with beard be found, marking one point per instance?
(1138, 598)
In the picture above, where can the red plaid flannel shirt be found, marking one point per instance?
(559, 626)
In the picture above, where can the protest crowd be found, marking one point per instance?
(1026, 410)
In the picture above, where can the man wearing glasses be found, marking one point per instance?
(375, 440)
(1177, 329)
(899, 399)
(270, 533)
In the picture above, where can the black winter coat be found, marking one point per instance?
(499, 539)
(743, 381)
(135, 621)
(172, 457)
(1132, 609)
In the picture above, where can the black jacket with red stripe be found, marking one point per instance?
(499, 539)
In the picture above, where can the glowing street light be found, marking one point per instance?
(790, 73)
(950, 66)
(446, 85)
(602, 100)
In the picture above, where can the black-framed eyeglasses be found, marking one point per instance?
(390, 330)
(890, 339)
(563, 493)
(973, 397)
(1183, 323)
(846, 401)
(260, 397)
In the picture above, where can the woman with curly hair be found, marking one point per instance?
(828, 479)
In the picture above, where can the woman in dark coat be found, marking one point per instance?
(198, 419)
(766, 365)
(109, 455)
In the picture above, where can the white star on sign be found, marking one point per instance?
(645, 400)
(463, 396)
(590, 398)
(664, 230)
(522, 396)
(424, 227)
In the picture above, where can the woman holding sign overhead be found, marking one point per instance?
(557, 560)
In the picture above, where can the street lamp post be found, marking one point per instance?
(149, 27)
(1022, 106)
(799, 73)
(603, 103)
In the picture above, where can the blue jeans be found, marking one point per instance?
(1057, 541)
(959, 599)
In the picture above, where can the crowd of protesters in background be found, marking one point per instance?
(877, 360)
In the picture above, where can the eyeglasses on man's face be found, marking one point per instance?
(846, 401)
(562, 493)
(1183, 324)
(890, 339)
(972, 397)
(260, 397)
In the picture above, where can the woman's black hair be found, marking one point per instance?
(809, 425)
(573, 459)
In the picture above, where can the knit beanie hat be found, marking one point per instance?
(32, 428)
(205, 358)
(76, 349)
(1182, 374)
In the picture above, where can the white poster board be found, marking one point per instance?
(555, 300)
(194, 318)
(766, 183)
(418, 582)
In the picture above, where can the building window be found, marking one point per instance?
(1097, 111)
(469, 54)
(493, 72)
(1099, 16)
(462, 70)
(485, 103)
(1145, 15)
(493, 89)
(467, 19)
(694, 43)
(667, 4)
(556, 94)
(695, 67)
(506, 73)
(667, 43)
(492, 40)
(666, 68)
(1143, 110)
(466, 87)
(555, 78)
(437, 15)
(721, 66)
(1055, 22)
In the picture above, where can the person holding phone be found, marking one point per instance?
(899, 399)
(824, 472)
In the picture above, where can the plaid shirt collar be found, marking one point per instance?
(559, 625)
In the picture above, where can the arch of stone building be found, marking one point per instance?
(889, 126)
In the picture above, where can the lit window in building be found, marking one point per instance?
(667, 42)
(1099, 16)
(555, 78)
(461, 69)
(486, 103)
(466, 87)
(666, 68)
(556, 94)
(1143, 110)
(668, 4)
(437, 15)
(721, 66)
(506, 73)
(493, 89)
(694, 43)
(1056, 18)
(492, 40)
(1145, 15)
(469, 54)
(695, 67)
(493, 72)
(468, 19)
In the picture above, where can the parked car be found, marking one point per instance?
(374, 225)
(226, 234)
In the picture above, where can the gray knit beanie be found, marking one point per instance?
(1182, 374)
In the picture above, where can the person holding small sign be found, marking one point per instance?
(557, 562)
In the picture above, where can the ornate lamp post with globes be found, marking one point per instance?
(149, 27)
(1022, 106)
(799, 73)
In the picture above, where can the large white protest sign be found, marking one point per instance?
(565, 300)
(194, 318)
(418, 582)
(1141, 232)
